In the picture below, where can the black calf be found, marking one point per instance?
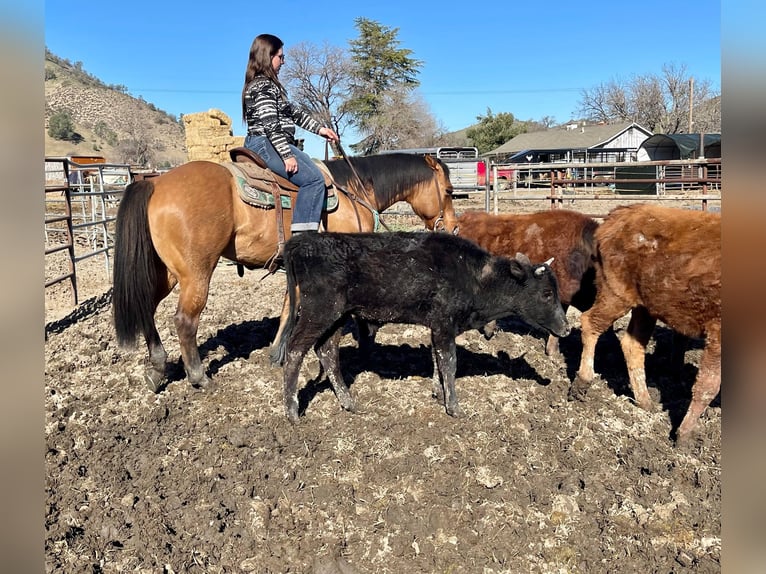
(438, 280)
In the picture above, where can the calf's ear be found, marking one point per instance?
(518, 270)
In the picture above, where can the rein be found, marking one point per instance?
(364, 202)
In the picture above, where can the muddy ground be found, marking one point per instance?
(220, 481)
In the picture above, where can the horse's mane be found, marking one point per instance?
(389, 175)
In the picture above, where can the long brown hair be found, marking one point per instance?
(262, 50)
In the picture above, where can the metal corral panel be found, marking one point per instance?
(636, 172)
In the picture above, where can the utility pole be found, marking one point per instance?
(691, 102)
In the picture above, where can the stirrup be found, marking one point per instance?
(276, 262)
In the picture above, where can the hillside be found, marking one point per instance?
(108, 121)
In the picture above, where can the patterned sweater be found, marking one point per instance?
(269, 114)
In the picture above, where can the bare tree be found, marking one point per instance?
(544, 122)
(404, 120)
(317, 79)
(137, 146)
(661, 103)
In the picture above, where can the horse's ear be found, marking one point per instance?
(431, 161)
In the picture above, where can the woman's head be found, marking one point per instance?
(266, 54)
(266, 58)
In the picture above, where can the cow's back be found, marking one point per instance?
(665, 259)
(565, 235)
(387, 276)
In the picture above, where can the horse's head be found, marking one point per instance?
(434, 202)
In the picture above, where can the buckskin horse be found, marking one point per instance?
(173, 229)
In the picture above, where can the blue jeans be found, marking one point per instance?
(307, 211)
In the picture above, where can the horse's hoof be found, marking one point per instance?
(204, 383)
(154, 380)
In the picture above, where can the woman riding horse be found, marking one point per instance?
(172, 230)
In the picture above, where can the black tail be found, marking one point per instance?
(135, 266)
(279, 352)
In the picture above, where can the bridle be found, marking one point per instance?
(363, 202)
(439, 221)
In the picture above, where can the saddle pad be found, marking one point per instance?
(255, 186)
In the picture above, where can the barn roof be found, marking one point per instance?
(582, 137)
(679, 146)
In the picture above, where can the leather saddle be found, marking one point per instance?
(244, 155)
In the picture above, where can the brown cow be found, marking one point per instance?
(565, 235)
(662, 263)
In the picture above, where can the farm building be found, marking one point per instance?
(679, 146)
(574, 142)
(662, 147)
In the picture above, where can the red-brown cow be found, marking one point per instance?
(565, 235)
(662, 263)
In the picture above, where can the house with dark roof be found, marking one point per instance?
(574, 142)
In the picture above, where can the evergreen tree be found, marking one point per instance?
(494, 130)
(380, 70)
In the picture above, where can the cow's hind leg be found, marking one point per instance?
(444, 350)
(633, 345)
(706, 387)
(308, 328)
(329, 358)
(296, 351)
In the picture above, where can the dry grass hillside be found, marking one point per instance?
(107, 121)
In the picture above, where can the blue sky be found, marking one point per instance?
(528, 58)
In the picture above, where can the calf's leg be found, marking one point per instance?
(437, 388)
(444, 350)
(633, 345)
(329, 358)
(706, 386)
(304, 335)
